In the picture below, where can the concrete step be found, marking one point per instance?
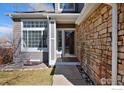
(61, 80)
(67, 63)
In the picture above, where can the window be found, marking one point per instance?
(34, 24)
(67, 6)
(34, 35)
(59, 39)
(44, 39)
(24, 38)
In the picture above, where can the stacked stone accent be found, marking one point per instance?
(93, 44)
(120, 44)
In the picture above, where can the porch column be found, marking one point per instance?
(52, 42)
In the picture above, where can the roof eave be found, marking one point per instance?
(65, 17)
(25, 15)
(88, 8)
(17, 15)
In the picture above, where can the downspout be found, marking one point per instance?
(114, 44)
(48, 29)
(48, 39)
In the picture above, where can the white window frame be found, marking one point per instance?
(61, 9)
(23, 49)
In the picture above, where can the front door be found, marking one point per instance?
(65, 42)
(69, 43)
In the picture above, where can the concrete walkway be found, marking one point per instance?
(67, 75)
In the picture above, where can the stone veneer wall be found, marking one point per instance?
(120, 44)
(93, 44)
(16, 38)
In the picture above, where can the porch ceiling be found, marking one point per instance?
(65, 17)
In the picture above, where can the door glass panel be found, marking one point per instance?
(59, 39)
(69, 42)
(45, 39)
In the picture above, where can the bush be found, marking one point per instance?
(6, 55)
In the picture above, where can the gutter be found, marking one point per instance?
(48, 40)
(22, 15)
(62, 17)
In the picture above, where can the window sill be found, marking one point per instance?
(34, 50)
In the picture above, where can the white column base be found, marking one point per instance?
(52, 62)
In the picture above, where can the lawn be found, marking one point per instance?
(29, 77)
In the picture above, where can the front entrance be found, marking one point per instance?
(65, 42)
(69, 43)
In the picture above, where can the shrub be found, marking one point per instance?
(6, 55)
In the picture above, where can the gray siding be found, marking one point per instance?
(38, 56)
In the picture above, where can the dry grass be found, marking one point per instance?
(34, 77)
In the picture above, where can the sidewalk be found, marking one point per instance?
(67, 75)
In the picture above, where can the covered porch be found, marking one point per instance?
(62, 39)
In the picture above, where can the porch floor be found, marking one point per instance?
(67, 59)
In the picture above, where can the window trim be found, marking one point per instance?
(61, 9)
(35, 28)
